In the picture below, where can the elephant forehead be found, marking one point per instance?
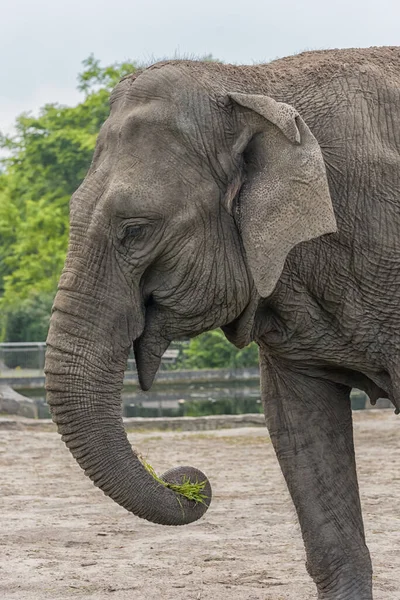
(140, 190)
(158, 190)
(131, 124)
(125, 183)
(152, 132)
(150, 158)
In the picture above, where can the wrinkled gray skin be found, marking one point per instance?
(207, 205)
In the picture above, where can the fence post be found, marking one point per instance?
(41, 351)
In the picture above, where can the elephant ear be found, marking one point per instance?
(285, 198)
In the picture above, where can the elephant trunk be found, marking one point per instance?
(84, 380)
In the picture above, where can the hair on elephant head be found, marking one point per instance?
(194, 198)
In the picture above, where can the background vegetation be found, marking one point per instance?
(46, 161)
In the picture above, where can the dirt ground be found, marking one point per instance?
(62, 538)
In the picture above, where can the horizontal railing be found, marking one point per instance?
(25, 360)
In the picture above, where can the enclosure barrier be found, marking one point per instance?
(25, 360)
(205, 391)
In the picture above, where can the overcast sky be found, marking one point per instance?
(43, 42)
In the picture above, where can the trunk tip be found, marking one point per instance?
(192, 489)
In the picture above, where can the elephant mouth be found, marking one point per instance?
(154, 340)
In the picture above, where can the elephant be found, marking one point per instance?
(263, 200)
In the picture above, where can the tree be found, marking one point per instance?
(211, 350)
(28, 321)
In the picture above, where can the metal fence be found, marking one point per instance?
(19, 359)
(26, 359)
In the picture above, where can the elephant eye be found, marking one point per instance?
(133, 231)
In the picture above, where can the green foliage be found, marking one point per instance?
(28, 321)
(211, 350)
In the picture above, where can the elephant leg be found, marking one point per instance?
(310, 424)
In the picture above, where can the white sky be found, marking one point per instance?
(43, 42)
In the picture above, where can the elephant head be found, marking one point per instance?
(185, 218)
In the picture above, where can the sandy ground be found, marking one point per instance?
(62, 538)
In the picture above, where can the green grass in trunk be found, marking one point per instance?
(189, 489)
